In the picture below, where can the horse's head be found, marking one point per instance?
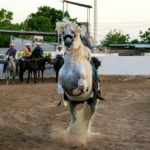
(35, 54)
(48, 59)
(69, 31)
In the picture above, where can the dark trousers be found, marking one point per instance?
(95, 75)
(5, 66)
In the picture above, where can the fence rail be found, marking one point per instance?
(2, 58)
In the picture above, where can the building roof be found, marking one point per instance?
(11, 32)
(131, 45)
(79, 4)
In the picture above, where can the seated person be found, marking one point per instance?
(38, 49)
(10, 52)
(96, 85)
(59, 52)
(27, 51)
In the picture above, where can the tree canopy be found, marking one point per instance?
(43, 20)
(115, 37)
(5, 23)
(145, 36)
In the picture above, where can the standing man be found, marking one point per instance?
(10, 52)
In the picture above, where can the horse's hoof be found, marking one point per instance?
(59, 103)
(65, 103)
(93, 133)
(67, 131)
(76, 92)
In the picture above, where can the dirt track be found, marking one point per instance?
(30, 119)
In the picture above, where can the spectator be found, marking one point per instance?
(27, 50)
(10, 52)
(38, 49)
(59, 52)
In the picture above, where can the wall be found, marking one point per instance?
(124, 65)
(20, 43)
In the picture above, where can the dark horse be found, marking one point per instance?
(33, 64)
(57, 63)
(41, 65)
(29, 64)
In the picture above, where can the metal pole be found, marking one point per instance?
(63, 9)
(95, 19)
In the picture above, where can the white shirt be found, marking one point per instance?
(59, 52)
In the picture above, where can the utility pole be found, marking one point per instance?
(95, 19)
(63, 9)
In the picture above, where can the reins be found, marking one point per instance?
(35, 59)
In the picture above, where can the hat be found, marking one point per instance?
(38, 44)
(27, 44)
(12, 44)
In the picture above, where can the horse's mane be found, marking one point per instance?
(78, 48)
(61, 25)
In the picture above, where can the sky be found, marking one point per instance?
(129, 16)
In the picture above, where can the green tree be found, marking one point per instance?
(145, 36)
(135, 41)
(115, 37)
(5, 23)
(45, 20)
(5, 15)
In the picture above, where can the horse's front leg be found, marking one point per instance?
(7, 77)
(82, 85)
(35, 76)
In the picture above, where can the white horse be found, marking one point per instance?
(10, 69)
(75, 76)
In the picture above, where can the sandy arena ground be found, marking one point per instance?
(30, 119)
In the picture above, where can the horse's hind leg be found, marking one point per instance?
(14, 74)
(92, 103)
(28, 76)
(42, 72)
(7, 77)
(72, 106)
(35, 76)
